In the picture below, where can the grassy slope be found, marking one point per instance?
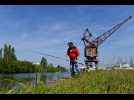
(119, 81)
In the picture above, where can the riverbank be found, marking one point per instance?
(9, 82)
(112, 81)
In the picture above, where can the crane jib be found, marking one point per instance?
(107, 34)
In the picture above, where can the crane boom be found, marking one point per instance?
(99, 40)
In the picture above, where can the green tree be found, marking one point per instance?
(61, 68)
(13, 56)
(43, 63)
(58, 66)
(51, 65)
(9, 53)
(6, 52)
(1, 53)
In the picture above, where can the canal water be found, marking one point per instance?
(32, 78)
(56, 75)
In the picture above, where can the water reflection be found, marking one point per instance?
(10, 80)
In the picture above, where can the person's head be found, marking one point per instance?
(70, 44)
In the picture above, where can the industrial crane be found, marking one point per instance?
(91, 46)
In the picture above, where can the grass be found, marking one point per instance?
(117, 81)
(9, 83)
(93, 82)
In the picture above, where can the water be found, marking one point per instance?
(56, 76)
(31, 78)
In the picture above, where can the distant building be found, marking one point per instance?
(123, 66)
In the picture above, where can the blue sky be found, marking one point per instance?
(47, 29)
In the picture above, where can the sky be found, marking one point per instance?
(48, 28)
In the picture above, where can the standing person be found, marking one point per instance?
(73, 54)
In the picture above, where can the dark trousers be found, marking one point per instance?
(74, 67)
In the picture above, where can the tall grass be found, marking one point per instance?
(112, 81)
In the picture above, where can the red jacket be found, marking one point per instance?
(73, 53)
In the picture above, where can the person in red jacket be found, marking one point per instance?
(73, 54)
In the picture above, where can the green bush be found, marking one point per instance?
(17, 66)
(10, 64)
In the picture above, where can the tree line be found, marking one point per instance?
(10, 64)
(8, 53)
(50, 68)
